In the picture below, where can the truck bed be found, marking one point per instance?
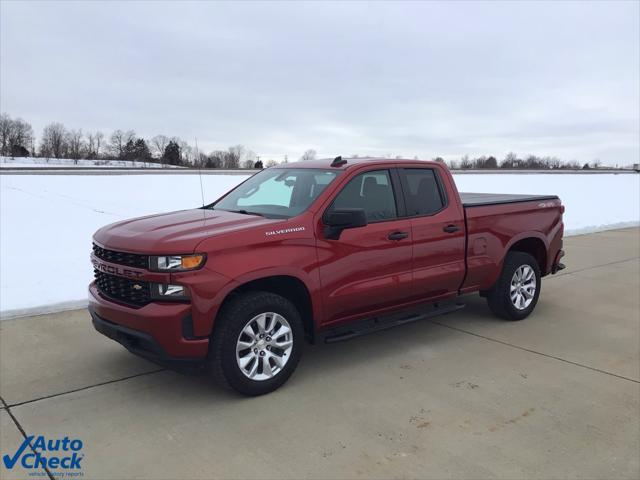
(479, 199)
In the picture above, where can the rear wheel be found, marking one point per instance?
(515, 294)
(257, 343)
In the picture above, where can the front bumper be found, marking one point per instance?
(155, 331)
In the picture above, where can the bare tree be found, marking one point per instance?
(201, 160)
(511, 160)
(119, 140)
(188, 152)
(95, 142)
(21, 137)
(99, 142)
(572, 164)
(248, 163)
(234, 156)
(75, 144)
(553, 162)
(217, 159)
(465, 163)
(16, 136)
(5, 133)
(308, 155)
(270, 163)
(91, 145)
(158, 144)
(484, 163)
(250, 155)
(53, 142)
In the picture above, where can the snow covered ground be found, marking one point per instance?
(29, 162)
(46, 222)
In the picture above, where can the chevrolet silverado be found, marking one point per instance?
(315, 251)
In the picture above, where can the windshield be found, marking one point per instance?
(277, 192)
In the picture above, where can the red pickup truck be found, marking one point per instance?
(320, 250)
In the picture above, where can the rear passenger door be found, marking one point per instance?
(367, 268)
(438, 234)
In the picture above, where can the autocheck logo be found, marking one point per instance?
(38, 453)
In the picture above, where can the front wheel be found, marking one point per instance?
(515, 294)
(257, 343)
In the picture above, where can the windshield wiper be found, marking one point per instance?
(245, 212)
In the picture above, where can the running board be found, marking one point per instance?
(377, 324)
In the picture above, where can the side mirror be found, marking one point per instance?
(342, 218)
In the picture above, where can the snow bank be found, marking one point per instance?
(46, 222)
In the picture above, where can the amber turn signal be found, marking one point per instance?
(192, 261)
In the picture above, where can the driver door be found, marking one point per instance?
(368, 268)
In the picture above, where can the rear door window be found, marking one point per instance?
(423, 191)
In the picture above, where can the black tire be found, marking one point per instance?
(499, 297)
(236, 314)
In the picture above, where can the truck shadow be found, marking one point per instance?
(322, 362)
(387, 344)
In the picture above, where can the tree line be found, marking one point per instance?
(512, 162)
(57, 141)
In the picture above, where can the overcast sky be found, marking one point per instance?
(418, 78)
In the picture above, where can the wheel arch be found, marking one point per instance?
(535, 246)
(288, 286)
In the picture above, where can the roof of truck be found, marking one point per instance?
(326, 162)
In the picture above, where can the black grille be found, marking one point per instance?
(132, 292)
(123, 258)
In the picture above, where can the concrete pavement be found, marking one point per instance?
(462, 396)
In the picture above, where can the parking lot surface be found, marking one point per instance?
(461, 396)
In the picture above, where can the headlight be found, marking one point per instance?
(167, 291)
(177, 263)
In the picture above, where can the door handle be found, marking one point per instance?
(451, 228)
(397, 236)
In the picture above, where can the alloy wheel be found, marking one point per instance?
(523, 287)
(264, 346)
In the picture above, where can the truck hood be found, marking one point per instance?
(174, 232)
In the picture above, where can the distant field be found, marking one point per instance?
(47, 220)
(9, 163)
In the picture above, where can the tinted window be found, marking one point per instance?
(371, 191)
(423, 195)
(278, 192)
